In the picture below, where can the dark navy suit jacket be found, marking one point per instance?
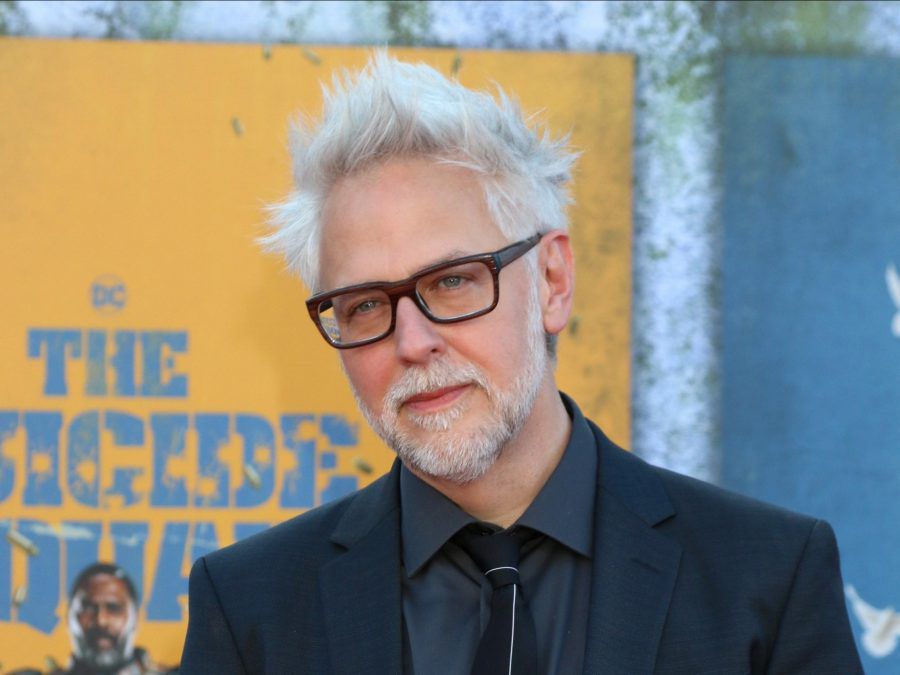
(687, 579)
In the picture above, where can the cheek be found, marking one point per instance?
(369, 372)
(502, 341)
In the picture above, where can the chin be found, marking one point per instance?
(451, 467)
(450, 446)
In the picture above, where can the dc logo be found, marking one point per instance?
(108, 294)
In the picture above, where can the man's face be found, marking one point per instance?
(102, 621)
(446, 397)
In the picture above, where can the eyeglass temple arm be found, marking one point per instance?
(516, 251)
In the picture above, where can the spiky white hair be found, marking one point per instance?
(395, 109)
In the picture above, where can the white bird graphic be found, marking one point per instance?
(893, 284)
(881, 627)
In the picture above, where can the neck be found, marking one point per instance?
(502, 494)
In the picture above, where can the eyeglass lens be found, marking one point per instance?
(448, 293)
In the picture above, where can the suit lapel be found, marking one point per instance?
(635, 566)
(361, 588)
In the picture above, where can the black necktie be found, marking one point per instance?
(509, 643)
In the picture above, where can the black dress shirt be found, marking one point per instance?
(446, 600)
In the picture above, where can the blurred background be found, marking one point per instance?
(765, 315)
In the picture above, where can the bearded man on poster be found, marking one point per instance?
(511, 535)
(102, 622)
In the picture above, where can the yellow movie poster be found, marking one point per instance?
(163, 392)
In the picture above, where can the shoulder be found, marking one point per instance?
(769, 570)
(729, 534)
(262, 595)
(724, 510)
(732, 532)
(716, 529)
(666, 495)
(303, 543)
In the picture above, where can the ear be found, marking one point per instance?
(556, 270)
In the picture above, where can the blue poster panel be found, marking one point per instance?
(811, 311)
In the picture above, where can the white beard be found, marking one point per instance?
(446, 452)
(116, 656)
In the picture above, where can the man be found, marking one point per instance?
(511, 536)
(102, 620)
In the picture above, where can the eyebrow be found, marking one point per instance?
(447, 257)
(452, 255)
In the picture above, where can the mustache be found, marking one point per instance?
(95, 634)
(436, 375)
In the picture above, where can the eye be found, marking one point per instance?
(363, 307)
(451, 282)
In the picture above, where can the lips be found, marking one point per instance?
(101, 640)
(430, 401)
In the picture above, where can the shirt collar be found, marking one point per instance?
(563, 509)
(428, 519)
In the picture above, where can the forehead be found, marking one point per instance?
(104, 586)
(393, 219)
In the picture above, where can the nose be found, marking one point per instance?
(103, 617)
(415, 336)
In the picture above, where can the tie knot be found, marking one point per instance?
(496, 554)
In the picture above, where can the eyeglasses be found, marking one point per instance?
(447, 292)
